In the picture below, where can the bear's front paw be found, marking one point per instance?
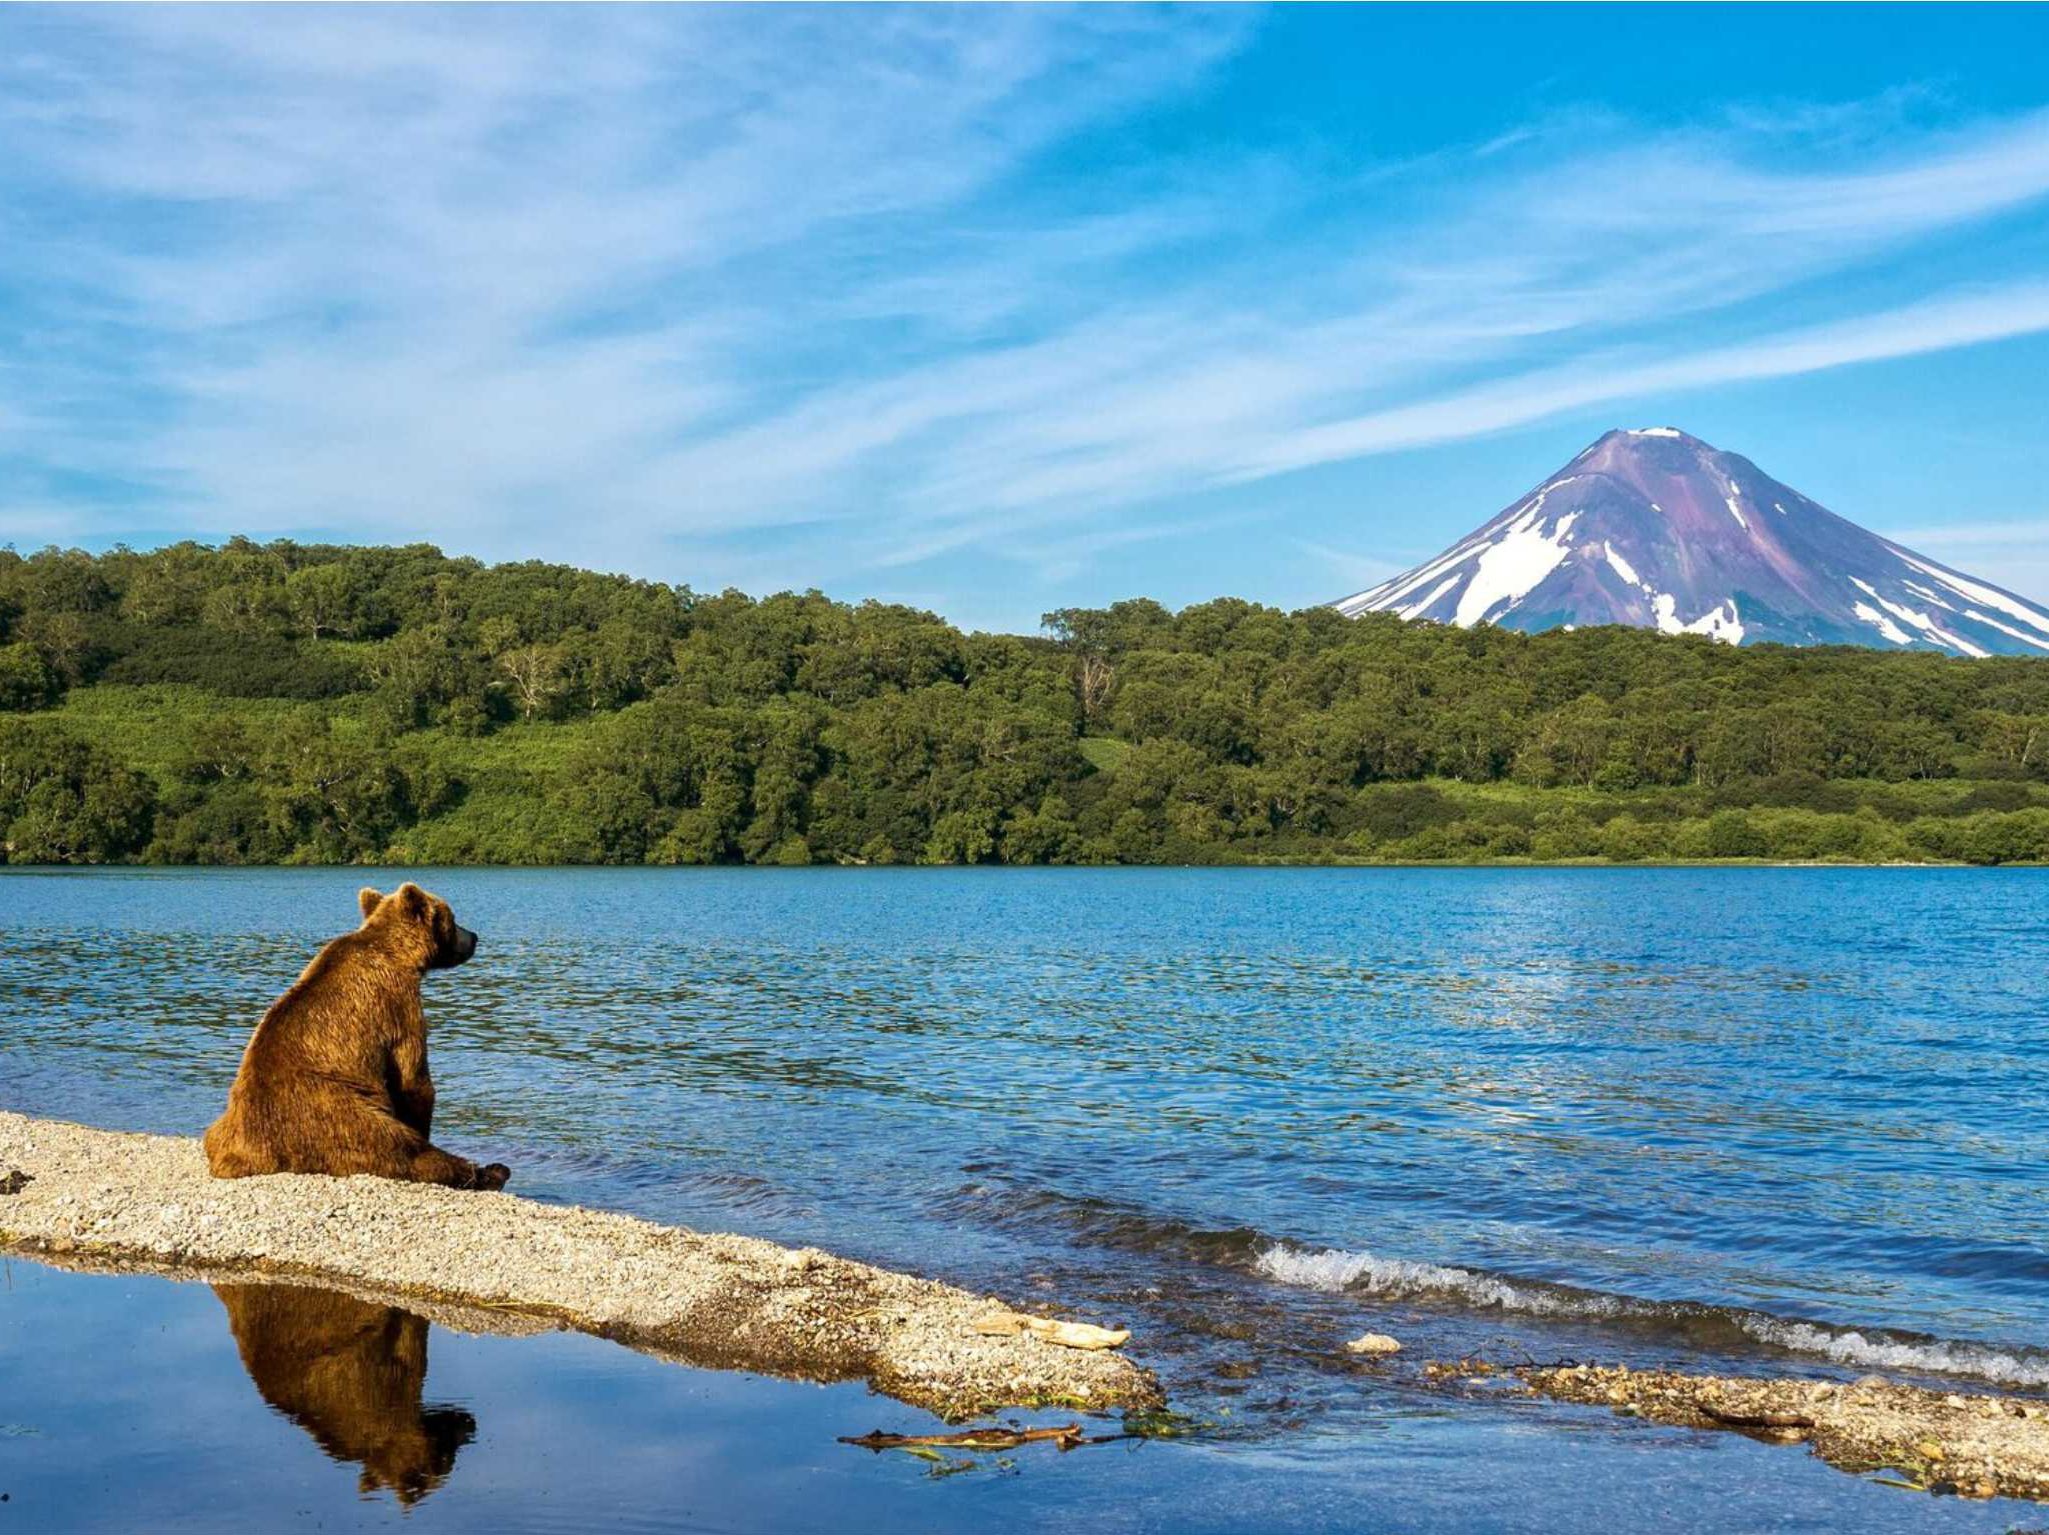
(493, 1176)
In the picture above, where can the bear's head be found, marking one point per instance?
(420, 924)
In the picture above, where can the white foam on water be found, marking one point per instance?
(1937, 1357)
(1363, 1273)
(1360, 1273)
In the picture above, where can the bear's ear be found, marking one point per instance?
(412, 900)
(367, 899)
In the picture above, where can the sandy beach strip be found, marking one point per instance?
(105, 1197)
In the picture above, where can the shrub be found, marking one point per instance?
(1390, 813)
(26, 681)
(234, 666)
(1627, 840)
(1565, 834)
(1732, 834)
(2019, 837)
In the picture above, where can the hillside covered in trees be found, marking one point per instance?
(290, 703)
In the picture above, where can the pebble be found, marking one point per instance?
(1374, 1343)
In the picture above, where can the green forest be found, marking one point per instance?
(291, 703)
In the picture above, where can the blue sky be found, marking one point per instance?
(1000, 309)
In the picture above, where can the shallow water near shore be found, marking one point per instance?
(130, 1406)
(1761, 1119)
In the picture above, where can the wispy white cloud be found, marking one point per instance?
(479, 274)
(792, 295)
(1061, 552)
(1962, 319)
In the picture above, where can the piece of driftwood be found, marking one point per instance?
(992, 1437)
(1757, 1419)
(1085, 1335)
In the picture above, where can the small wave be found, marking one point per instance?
(1693, 1324)
(1939, 1356)
(1361, 1273)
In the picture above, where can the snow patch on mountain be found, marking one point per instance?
(1510, 568)
(1991, 596)
(1437, 591)
(1882, 624)
(1922, 621)
(2029, 639)
(1935, 597)
(1714, 623)
(1622, 567)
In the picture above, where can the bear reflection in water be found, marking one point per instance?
(349, 1373)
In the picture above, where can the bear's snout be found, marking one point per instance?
(456, 950)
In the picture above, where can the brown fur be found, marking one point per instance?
(334, 1080)
(349, 1373)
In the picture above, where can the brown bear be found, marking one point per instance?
(350, 1373)
(334, 1080)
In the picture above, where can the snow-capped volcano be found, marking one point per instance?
(1657, 529)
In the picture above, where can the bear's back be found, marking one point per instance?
(340, 1014)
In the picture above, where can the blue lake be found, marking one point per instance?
(1752, 1118)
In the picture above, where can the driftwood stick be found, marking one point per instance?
(1757, 1419)
(993, 1437)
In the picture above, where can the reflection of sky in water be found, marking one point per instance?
(1813, 1093)
(127, 1408)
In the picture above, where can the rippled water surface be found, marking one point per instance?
(1776, 1117)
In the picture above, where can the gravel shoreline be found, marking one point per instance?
(1936, 1441)
(98, 1197)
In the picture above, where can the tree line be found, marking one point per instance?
(286, 702)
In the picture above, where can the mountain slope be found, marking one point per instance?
(1657, 529)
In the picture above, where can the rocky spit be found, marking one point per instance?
(497, 1262)
(1972, 1445)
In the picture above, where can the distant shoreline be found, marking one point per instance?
(284, 704)
(1031, 869)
